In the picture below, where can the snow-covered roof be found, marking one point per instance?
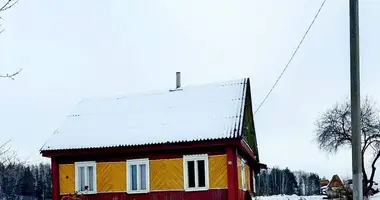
(192, 113)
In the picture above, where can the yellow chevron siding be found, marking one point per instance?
(111, 177)
(67, 179)
(218, 171)
(166, 174)
(247, 177)
(239, 172)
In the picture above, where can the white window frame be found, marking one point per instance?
(85, 165)
(242, 174)
(195, 158)
(254, 183)
(129, 176)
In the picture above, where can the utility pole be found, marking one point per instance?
(357, 176)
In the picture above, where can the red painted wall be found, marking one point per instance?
(232, 174)
(55, 179)
(105, 155)
(242, 195)
(169, 195)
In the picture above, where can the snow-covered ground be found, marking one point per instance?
(375, 197)
(295, 197)
(292, 197)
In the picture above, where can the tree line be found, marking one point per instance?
(277, 181)
(18, 181)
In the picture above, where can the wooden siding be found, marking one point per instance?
(166, 174)
(247, 177)
(111, 177)
(67, 179)
(239, 173)
(220, 194)
(218, 171)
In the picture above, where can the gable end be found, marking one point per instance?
(249, 133)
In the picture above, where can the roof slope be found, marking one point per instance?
(202, 112)
(335, 182)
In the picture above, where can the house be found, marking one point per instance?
(193, 142)
(323, 183)
(334, 187)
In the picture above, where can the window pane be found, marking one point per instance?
(243, 175)
(81, 179)
(143, 177)
(90, 178)
(201, 173)
(133, 177)
(191, 173)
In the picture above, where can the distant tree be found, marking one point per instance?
(29, 180)
(39, 185)
(10, 180)
(313, 181)
(334, 132)
(275, 181)
(26, 183)
(301, 187)
(45, 172)
(2, 171)
(290, 182)
(308, 183)
(263, 187)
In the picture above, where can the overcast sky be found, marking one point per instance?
(74, 49)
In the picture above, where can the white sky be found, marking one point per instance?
(74, 49)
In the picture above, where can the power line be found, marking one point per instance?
(291, 58)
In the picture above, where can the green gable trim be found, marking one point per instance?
(249, 133)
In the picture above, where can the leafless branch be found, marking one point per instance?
(8, 4)
(334, 132)
(333, 128)
(373, 166)
(7, 154)
(11, 76)
(2, 30)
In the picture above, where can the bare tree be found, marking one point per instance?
(3, 7)
(7, 154)
(334, 132)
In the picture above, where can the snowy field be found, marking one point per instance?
(293, 197)
(375, 197)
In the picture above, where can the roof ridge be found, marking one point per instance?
(162, 91)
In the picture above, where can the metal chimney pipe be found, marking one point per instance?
(178, 80)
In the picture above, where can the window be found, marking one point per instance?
(138, 176)
(242, 174)
(195, 169)
(85, 177)
(254, 184)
